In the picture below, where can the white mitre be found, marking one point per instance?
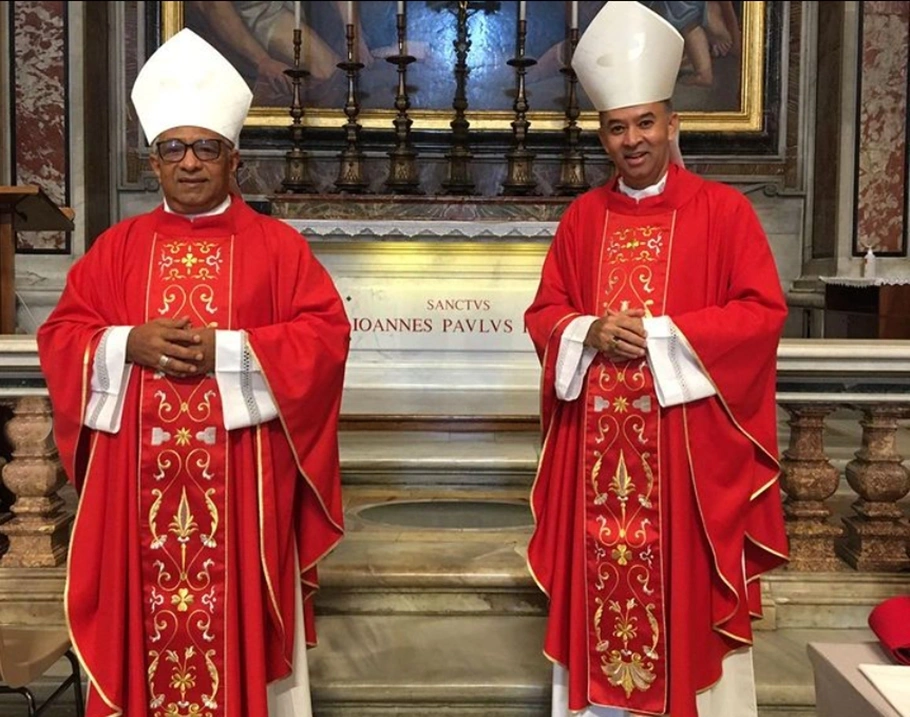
(629, 55)
(188, 83)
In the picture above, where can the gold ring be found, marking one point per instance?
(614, 342)
(163, 361)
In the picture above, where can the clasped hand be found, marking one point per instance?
(619, 335)
(188, 351)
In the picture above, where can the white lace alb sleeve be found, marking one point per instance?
(574, 358)
(110, 375)
(245, 398)
(678, 377)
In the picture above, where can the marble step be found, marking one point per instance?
(504, 458)
(477, 667)
(438, 458)
(470, 666)
(413, 564)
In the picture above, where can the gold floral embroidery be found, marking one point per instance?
(184, 524)
(179, 259)
(621, 554)
(193, 710)
(623, 517)
(185, 619)
(631, 675)
(183, 676)
(182, 599)
(621, 484)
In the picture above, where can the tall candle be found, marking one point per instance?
(401, 7)
(522, 10)
(297, 14)
(350, 12)
(574, 22)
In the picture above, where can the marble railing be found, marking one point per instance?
(815, 379)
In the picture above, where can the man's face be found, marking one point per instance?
(638, 141)
(192, 185)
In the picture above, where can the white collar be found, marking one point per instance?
(639, 194)
(220, 209)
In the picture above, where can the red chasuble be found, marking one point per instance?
(652, 524)
(180, 585)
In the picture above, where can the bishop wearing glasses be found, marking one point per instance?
(195, 364)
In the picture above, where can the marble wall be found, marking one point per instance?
(39, 108)
(43, 35)
(882, 137)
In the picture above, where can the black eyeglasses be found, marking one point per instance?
(174, 150)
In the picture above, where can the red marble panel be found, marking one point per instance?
(886, 7)
(882, 131)
(40, 106)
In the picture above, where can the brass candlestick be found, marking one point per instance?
(520, 179)
(572, 179)
(403, 177)
(350, 171)
(296, 160)
(458, 179)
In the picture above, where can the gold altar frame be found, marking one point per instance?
(748, 118)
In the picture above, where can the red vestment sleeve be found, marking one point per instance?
(67, 342)
(302, 359)
(558, 301)
(735, 341)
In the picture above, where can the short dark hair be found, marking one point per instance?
(668, 105)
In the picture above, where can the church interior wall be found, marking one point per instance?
(70, 129)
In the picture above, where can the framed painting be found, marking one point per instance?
(720, 87)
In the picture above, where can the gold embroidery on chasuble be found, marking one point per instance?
(183, 492)
(624, 593)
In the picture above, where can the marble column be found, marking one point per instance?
(876, 536)
(809, 479)
(39, 530)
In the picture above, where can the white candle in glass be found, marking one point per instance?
(574, 22)
(522, 10)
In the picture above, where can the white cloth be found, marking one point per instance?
(264, 18)
(893, 681)
(574, 358)
(188, 83)
(644, 193)
(678, 376)
(220, 209)
(245, 398)
(290, 697)
(733, 695)
(865, 281)
(110, 375)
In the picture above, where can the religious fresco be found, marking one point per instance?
(719, 83)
